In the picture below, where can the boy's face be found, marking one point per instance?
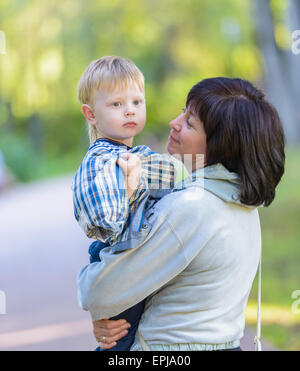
(120, 114)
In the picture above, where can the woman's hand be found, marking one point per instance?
(131, 166)
(107, 332)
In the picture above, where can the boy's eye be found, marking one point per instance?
(137, 102)
(116, 104)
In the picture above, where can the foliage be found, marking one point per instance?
(175, 43)
(19, 157)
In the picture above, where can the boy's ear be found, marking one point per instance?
(88, 113)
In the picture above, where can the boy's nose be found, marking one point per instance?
(129, 112)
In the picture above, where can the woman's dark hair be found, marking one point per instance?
(243, 132)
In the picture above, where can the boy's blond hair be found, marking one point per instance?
(106, 74)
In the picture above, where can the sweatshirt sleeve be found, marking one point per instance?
(121, 280)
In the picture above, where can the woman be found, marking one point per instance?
(197, 262)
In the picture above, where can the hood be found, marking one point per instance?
(217, 180)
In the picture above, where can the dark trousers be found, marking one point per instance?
(131, 315)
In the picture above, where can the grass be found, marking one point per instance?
(280, 225)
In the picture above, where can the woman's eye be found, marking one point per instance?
(116, 104)
(189, 124)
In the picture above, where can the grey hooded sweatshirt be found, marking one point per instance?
(195, 264)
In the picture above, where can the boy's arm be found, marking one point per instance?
(160, 172)
(101, 204)
(102, 195)
(131, 167)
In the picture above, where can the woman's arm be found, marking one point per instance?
(121, 280)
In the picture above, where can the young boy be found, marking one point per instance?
(111, 91)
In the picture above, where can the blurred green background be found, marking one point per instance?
(176, 43)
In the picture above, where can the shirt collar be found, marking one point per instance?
(112, 142)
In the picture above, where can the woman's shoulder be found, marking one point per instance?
(192, 201)
(193, 196)
(198, 203)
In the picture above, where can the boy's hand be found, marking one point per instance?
(131, 166)
(107, 331)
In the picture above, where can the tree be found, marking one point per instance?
(282, 71)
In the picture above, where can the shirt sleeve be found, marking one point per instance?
(121, 280)
(100, 199)
(160, 173)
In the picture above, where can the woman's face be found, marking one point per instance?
(187, 140)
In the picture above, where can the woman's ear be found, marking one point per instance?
(88, 113)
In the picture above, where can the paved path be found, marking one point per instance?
(42, 250)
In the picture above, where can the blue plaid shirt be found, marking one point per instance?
(101, 204)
